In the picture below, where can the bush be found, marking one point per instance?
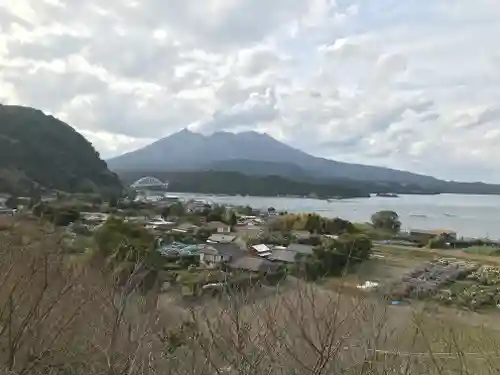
(386, 220)
(332, 256)
(437, 243)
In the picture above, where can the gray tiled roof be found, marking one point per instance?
(222, 238)
(301, 249)
(254, 264)
(285, 256)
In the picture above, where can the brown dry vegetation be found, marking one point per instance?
(62, 317)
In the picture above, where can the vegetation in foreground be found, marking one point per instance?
(65, 314)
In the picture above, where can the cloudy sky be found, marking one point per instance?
(410, 84)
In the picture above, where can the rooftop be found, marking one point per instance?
(216, 224)
(301, 249)
(285, 256)
(433, 231)
(221, 238)
(254, 264)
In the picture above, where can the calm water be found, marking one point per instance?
(468, 215)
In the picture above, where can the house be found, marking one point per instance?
(424, 235)
(94, 217)
(136, 219)
(231, 250)
(186, 228)
(159, 223)
(218, 226)
(221, 238)
(250, 221)
(282, 256)
(211, 257)
(197, 206)
(300, 249)
(253, 264)
(261, 250)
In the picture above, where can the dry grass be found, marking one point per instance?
(61, 318)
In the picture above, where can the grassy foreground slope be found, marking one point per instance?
(62, 314)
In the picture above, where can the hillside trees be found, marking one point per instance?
(58, 215)
(313, 223)
(40, 152)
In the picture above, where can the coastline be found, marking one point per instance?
(469, 215)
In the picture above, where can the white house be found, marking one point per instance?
(262, 250)
(221, 238)
(219, 226)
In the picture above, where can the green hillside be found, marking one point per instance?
(40, 152)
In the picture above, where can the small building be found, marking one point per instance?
(221, 238)
(262, 250)
(282, 256)
(231, 250)
(218, 226)
(300, 249)
(253, 264)
(211, 257)
(94, 217)
(197, 206)
(186, 228)
(159, 223)
(424, 235)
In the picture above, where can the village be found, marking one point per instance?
(202, 254)
(174, 256)
(202, 248)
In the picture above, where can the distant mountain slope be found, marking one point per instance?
(41, 152)
(234, 183)
(186, 150)
(260, 168)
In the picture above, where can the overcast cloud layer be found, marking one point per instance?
(410, 84)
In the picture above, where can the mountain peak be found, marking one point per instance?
(188, 150)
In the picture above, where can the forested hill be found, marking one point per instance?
(234, 183)
(40, 152)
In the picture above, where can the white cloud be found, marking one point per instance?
(411, 84)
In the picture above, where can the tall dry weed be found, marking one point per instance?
(56, 318)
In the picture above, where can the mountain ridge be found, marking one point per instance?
(40, 152)
(187, 150)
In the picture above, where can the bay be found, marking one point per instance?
(468, 215)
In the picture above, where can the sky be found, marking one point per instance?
(407, 84)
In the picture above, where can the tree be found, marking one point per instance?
(332, 256)
(12, 202)
(313, 223)
(202, 234)
(113, 201)
(124, 243)
(387, 220)
(233, 220)
(245, 210)
(165, 212)
(217, 213)
(64, 217)
(39, 209)
(177, 209)
(337, 226)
